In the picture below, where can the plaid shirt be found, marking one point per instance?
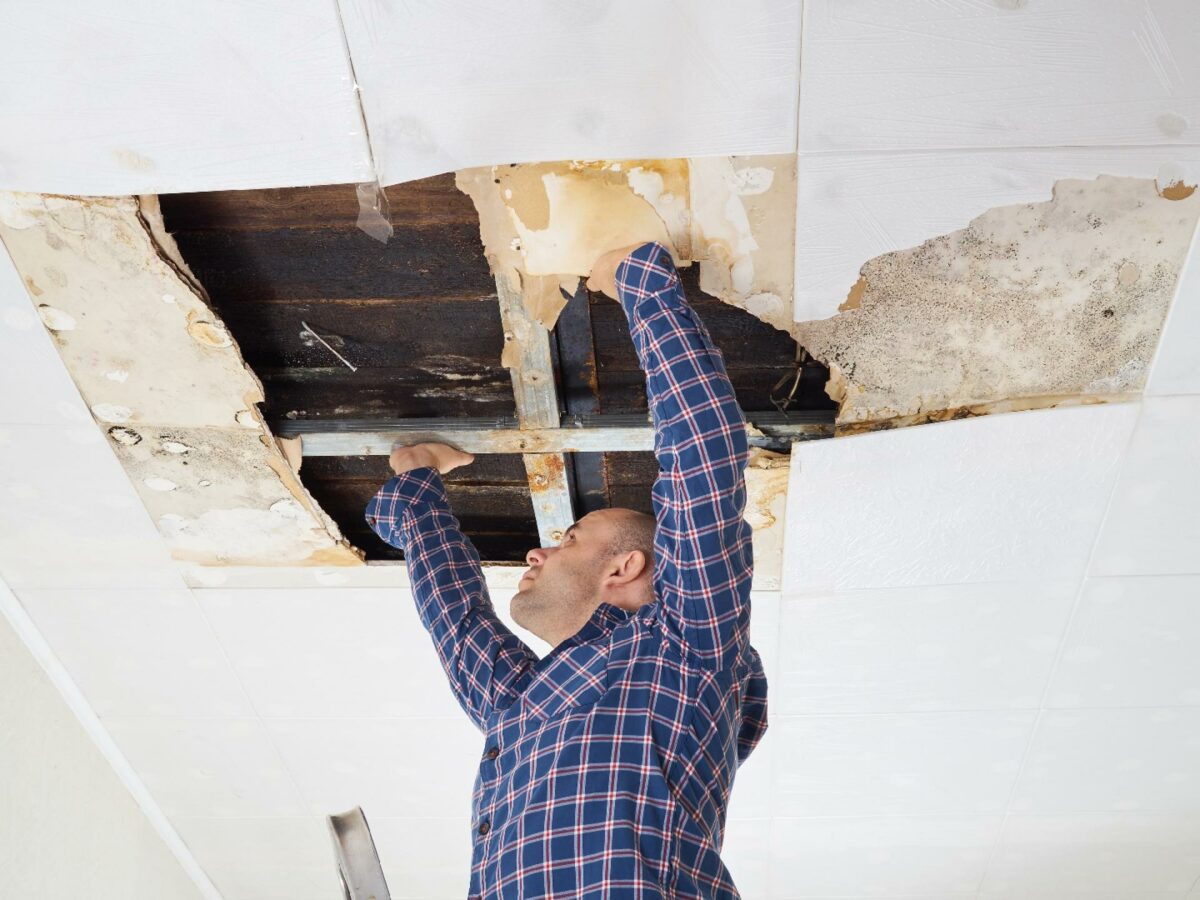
(608, 763)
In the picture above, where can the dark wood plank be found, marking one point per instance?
(449, 337)
(499, 518)
(624, 391)
(416, 203)
(488, 469)
(744, 341)
(632, 469)
(265, 265)
(383, 393)
(630, 497)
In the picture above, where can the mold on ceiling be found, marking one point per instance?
(1035, 305)
(1041, 304)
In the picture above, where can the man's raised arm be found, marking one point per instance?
(486, 663)
(705, 561)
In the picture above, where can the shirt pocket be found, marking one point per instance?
(572, 683)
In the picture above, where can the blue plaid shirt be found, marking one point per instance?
(608, 763)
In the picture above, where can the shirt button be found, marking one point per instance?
(485, 828)
(493, 753)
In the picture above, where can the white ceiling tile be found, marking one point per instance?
(764, 631)
(747, 853)
(428, 859)
(881, 75)
(892, 856)
(852, 207)
(264, 859)
(377, 574)
(1112, 760)
(390, 767)
(1176, 367)
(946, 647)
(28, 358)
(138, 653)
(69, 516)
(1080, 895)
(910, 764)
(1132, 642)
(207, 767)
(331, 652)
(184, 98)
(1056, 856)
(1152, 527)
(454, 84)
(1007, 497)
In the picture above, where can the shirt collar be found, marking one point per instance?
(601, 622)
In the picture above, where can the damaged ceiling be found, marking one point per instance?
(200, 333)
(276, 299)
(1005, 602)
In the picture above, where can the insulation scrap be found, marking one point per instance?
(766, 502)
(1034, 305)
(166, 382)
(734, 216)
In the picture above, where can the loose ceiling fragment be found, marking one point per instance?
(1029, 306)
(767, 475)
(544, 224)
(166, 381)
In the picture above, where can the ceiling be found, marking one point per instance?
(981, 659)
(419, 320)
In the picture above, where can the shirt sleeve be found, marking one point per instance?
(488, 666)
(702, 542)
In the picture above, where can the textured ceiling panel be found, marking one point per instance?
(176, 96)
(1014, 497)
(457, 84)
(998, 73)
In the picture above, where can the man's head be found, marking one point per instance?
(605, 557)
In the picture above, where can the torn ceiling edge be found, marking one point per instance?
(767, 474)
(544, 224)
(166, 381)
(1029, 306)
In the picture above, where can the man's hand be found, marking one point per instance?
(603, 279)
(442, 457)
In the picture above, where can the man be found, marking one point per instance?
(608, 763)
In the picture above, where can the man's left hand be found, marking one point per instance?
(442, 457)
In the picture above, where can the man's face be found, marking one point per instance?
(561, 588)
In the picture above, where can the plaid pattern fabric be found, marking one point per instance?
(607, 765)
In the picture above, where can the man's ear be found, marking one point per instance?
(626, 568)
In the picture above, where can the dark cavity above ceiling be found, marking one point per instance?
(419, 319)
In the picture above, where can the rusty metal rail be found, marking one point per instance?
(575, 434)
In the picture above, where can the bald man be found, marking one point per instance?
(607, 764)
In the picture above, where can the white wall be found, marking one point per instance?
(68, 827)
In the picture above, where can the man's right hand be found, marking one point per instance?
(442, 457)
(603, 279)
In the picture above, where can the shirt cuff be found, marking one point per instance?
(647, 270)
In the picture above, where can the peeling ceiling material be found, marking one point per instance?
(274, 260)
(735, 216)
(1029, 306)
(166, 381)
(767, 475)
